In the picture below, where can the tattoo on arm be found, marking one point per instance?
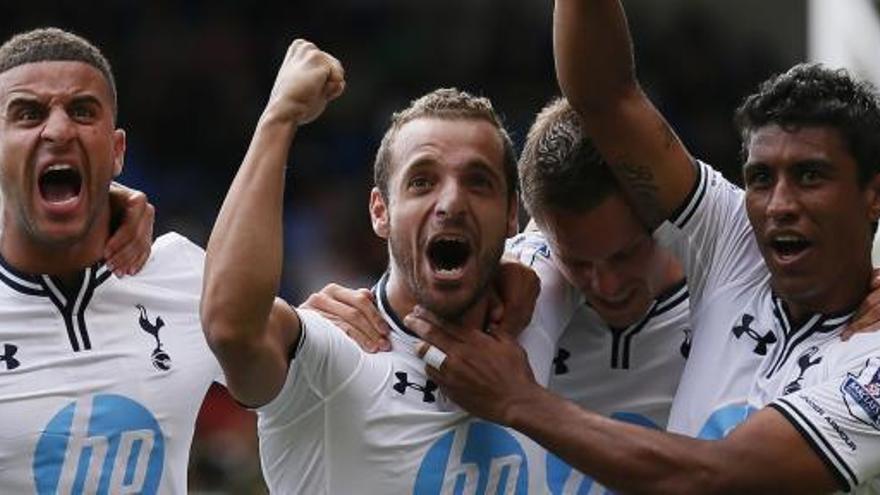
(643, 191)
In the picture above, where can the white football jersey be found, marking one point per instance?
(630, 374)
(101, 382)
(733, 311)
(746, 354)
(830, 391)
(347, 421)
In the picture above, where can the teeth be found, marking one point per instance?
(450, 238)
(787, 238)
(59, 166)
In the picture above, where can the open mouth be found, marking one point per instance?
(448, 255)
(60, 183)
(787, 246)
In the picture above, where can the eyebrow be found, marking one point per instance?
(86, 98)
(30, 99)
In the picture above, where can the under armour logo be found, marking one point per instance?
(559, 366)
(427, 389)
(761, 341)
(161, 359)
(8, 358)
(804, 362)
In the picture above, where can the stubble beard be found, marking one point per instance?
(404, 260)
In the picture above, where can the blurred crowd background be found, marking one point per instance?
(194, 75)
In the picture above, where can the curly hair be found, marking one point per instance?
(560, 168)
(811, 95)
(451, 104)
(51, 45)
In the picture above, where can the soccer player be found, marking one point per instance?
(775, 272)
(333, 418)
(101, 377)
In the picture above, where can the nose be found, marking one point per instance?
(782, 203)
(605, 281)
(451, 200)
(58, 127)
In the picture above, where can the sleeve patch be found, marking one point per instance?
(861, 393)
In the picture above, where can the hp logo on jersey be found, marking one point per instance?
(724, 420)
(477, 458)
(104, 444)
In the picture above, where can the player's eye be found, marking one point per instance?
(418, 183)
(757, 177)
(28, 113)
(83, 111)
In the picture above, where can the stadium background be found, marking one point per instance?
(194, 75)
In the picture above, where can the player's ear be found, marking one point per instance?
(512, 217)
(379, 213)
(872, 196)
(118, 151)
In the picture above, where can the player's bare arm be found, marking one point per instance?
(596, 71)
(489, 375)
(250, 331)
(129, 246)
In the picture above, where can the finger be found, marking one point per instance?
(121, 237)
(334, 89)
(337, 72)
(875, 279)
(363, 301)
(364, 340)
(433, 357)
(430, 332)
(121, 262)
(139, 263)
(348, 317)
(137, 220)
(435, 375)
(866, 321)
(496, 308)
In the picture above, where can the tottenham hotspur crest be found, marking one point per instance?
(161, 359)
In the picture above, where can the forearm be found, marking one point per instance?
(596, 73)
(593, 50)
(625, 458)
(244, 254)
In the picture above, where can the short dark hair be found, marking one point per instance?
(813, 95)
(50, 45)
(444, 103)
(560, 168)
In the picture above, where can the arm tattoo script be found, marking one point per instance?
(643, 191)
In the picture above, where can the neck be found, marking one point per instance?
(402, 301)
(64, 259)
(801, 309)
(844, 298)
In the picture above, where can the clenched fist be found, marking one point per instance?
(307, 80)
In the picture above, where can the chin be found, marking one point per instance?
(59, 236)
(449, 305)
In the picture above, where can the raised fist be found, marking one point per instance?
(307, 80)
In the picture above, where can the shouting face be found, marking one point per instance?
(447, 212)
(59, 150)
